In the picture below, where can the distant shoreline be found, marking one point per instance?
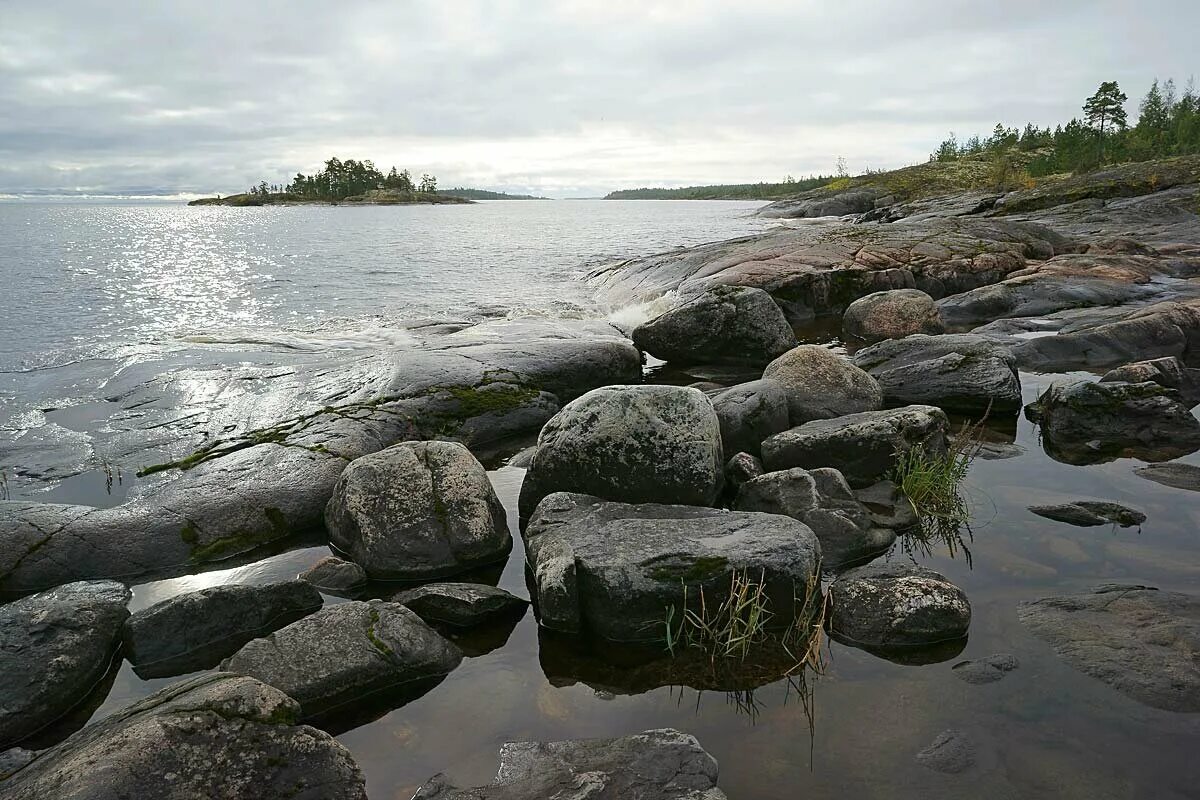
(375, 197)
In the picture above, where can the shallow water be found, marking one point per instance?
(1045, 730)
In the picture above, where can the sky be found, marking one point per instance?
(563, 99)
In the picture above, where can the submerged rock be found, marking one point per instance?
(1169, 372)
(750, 412)
(951, 752)
(1175, 475)
(886, 606)
(737, 324)
(1088, 513)
(637, 444)
(660, 764)
(348, 655)
(417, 510)
(196, 630)
(863, 447)
(820, 384)
(1137, 639)
(56, 647)
(985, 670)
(336, 576)
(461, 604)
(891, 315)
(614, 569)
(216, 735)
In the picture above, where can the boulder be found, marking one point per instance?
(659, 764)
(822, 500)
(891, 315)
(196, 630)
(215, 735)
(737, 324)
(334, 575)
(985, 670)
(888, 506)
(1089, 513)
(749, 413)
(739, 469)
(1137, 639)
(823, 203)
(459, 604)
(614, 569)
(1088, 423)
(1169, 372)
(344, 654)
(637, 444)
(1175, 475)
(56, 646)
(417, 510)
(820, 384)
(863, 447)
(884, 606)
(959, 372)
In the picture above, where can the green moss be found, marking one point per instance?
(240, 541)
(702, 569)
(378, 643)
(189, 534)
(476, 401)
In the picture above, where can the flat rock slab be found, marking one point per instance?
(55, 647)
(217, 735)
(459, 604)
(614, 569)
(1089, 513)
(196, 630)
(1177, 476)
(1141, 641)
(342, 655)
(655, 765)
(985, 670)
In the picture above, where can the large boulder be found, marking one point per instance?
(655, 765)
(823, 501)
(1088, 423)
(1137, 639)
(820, 384)
(884, 606)
(56, 646)
(216, 735)
(196, 630)
(891, 315)
(637, 444)
(459, 604)
(417, 510)
(960, 372)
(734, 324)
(863, 447)
(615, 569)
(343, 655)
(1169, 372)
(749, 413)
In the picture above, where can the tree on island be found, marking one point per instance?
(341, 179)
(1105, 109)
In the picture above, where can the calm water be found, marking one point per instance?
(1043, 731)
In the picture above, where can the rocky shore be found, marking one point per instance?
(639, 501)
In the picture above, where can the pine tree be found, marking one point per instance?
(1105, 110)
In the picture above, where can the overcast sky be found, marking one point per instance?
(558, 98)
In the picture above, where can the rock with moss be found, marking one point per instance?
(736, 324)
(637, 444)
(820, 384)
(749, 413)
(884, 606)
(891, 315)
(1169, 372)
(350, 657)
(1089, 423)
(194, 631)
(628, 564)
(460, 604)
(660, 764)
(57, 646)
(216, 735)
(824, 203)
(417, 510)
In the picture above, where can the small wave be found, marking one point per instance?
(626, 318)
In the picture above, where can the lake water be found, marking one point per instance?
(90, 289)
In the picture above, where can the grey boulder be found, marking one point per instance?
(883, 606)
(336, 576)
(459, 604)
(820, 384)
(55, 646)
(417, 510)
(637, 444)
(750, 412)
(1169, 372)
(892, 314)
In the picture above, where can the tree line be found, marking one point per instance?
(341, 179)
(1168, 124)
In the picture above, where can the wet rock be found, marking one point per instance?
(862, 447)
(822, 500)
(345, 655)
(820, 384)
(951, 752)
(637, 444)
(1175, 475)
(985, 670)
(1089, 513)
(1137, 639)
(461, 604)
(660, 764)
(334, 575)
(750, 412)
(741, 468)
(13, 759)
(960, 372)
(215, 730)
(196, 630)
(613, 569)
(417, 510)
(1087, 423)
(897, 605)
(891, 315)
(737, 324)
(1169, 372)
(56, 647)
(888, 506)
